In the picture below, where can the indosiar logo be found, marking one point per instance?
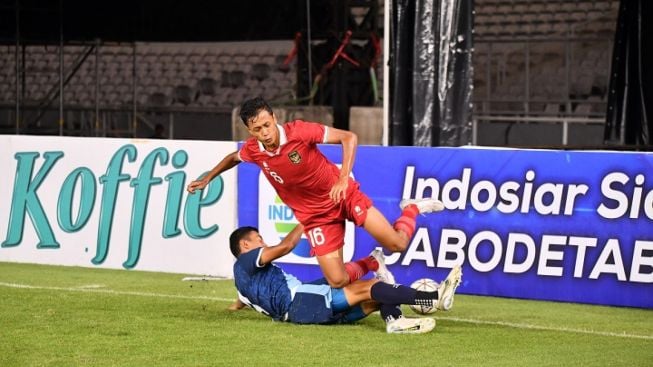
(284, 221)
(276, 220)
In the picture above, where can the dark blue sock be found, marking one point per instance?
(386, 311)
(395, 294)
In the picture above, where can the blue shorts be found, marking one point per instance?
(321, 304)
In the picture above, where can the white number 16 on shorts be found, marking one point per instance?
(274, 222)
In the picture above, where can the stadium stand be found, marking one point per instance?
(543, 59)
(532, 58)
(181, 72)
(552, 34)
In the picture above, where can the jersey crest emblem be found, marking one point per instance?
(295, 157)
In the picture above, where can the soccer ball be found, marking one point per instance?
(425, 285)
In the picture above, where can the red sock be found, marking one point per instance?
(357, 269)
(371, 263)
(410, 211)
(406, 223)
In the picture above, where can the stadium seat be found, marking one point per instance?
(191, 63)
(183, 94)
(111, 99)
(207, 86)
(158, 99)
(237, 78)
(269, 94)
(260, 71)
(204, 100)
(224, 58)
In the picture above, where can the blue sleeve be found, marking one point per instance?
(249, 261)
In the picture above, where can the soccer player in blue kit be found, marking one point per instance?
(269, 290)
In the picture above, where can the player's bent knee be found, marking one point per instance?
(338, 284)
(397, 247)
(338, 281)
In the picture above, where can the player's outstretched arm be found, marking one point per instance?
(225, 164)
(349, 142)
(271, 253)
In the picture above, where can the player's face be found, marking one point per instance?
(252, 241)
(264, 128)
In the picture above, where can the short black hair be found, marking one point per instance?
(251, 108)
(236, 236)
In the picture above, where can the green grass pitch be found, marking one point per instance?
(70, 316)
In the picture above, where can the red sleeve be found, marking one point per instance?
(311, 132)
(244, 152)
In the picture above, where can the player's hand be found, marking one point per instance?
(339, 190)
(237, 305)
(197, 185)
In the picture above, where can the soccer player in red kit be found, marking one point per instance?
(321, 195)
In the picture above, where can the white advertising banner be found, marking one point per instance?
(115, 203)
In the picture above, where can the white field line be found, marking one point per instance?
(110, 291)
(546, 328)
(219, 299)
(91, 286)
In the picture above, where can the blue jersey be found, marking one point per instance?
(267, 288)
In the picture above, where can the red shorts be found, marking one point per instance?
(328, 237)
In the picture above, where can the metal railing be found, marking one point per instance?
(564, 120)
(102, 121)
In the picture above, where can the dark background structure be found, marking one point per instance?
(153, 21)
(625, 105)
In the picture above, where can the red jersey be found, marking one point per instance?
(298, 171)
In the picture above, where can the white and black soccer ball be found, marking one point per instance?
(424, 285)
